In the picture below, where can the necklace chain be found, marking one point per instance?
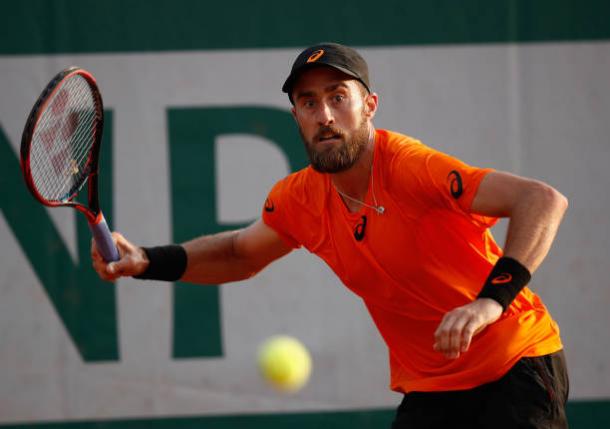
(379, 209)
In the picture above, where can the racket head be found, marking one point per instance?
(61, 141)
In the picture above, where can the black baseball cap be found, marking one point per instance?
(340, 57)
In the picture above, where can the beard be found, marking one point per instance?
(338, 157)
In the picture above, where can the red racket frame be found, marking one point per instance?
(92, 210)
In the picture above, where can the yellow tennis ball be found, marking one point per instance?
(284, 362)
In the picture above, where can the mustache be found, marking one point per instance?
(326, 130)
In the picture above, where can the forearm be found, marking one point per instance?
(533, 225)
(535, 211)
(212, 259)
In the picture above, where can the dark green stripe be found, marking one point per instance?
(377, 419)
(581, 414)
(589, 414)
(70, 26)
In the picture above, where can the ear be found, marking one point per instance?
(294, 114)
(370, 105)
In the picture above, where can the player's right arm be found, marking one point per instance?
(211, 259)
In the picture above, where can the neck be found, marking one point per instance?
(355, 181)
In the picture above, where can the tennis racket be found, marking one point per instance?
(60, 149)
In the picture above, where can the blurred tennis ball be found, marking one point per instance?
(284, 362)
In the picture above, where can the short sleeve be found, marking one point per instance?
(276, 214)
(441, 180)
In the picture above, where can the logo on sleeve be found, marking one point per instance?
(269, 206)
(360, 229)
(502, 279)
(455, 184)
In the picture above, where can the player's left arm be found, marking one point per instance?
(535, 210)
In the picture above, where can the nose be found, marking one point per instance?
(325, 114)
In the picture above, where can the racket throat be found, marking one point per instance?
(93, 217)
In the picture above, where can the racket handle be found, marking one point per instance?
(103, 239)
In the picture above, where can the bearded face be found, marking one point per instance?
(332, 149)
(333, 112)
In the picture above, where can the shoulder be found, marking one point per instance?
(299, 182)
(295, 204)
(406, 153)
(401, 153)
(393, 141)
(396, 147)
(303, 189)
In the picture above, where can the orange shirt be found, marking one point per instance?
(424, 256)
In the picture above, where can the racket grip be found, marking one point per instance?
(103, 239)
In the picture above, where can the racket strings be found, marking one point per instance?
(65, 126)
(62, 140)
(64, 135)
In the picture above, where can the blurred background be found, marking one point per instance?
(197, 131)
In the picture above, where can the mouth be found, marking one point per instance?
(329, 138)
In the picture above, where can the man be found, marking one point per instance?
(406, 228)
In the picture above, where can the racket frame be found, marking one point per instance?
(92, 210)
(97, 223)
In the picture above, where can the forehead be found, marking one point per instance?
(319, 78)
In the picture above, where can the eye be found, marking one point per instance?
(338, 98)
(309, 103)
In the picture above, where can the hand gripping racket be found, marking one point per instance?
(60, 149)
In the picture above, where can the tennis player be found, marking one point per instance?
(406, 228)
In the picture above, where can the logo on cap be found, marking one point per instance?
(315, 56)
